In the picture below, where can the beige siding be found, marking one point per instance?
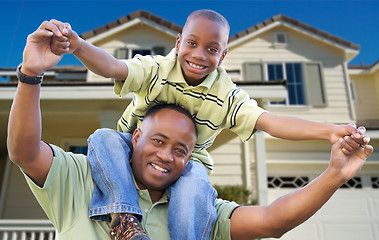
(300, 48)
(227, 154)
(20, 203)
(366, 88)
(137, 36)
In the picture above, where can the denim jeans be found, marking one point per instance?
(191, 211)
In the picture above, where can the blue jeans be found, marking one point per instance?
(191, 211)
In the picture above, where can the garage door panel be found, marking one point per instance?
(345, 231)
(307, 231)
(342, 206)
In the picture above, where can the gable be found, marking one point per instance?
(350, 49)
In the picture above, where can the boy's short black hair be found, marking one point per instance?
(211, 15)
(153, 110)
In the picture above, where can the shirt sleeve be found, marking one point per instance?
(243, 114)
(221, 228)
(67, 186)
(141, 70)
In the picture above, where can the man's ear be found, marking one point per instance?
(223, 56)
(189, 157)
(177, 43)
(136, 135)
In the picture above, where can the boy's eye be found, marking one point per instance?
(191, 43)
(215, 50)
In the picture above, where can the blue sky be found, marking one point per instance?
(355, 21)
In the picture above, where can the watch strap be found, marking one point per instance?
(28, 79)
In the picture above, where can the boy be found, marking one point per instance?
(190, 76)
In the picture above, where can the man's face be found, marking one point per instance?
(162, 147)
(201, 48)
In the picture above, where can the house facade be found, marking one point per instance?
(289, 67)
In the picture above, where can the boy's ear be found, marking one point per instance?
(177, 43)
(223, 56)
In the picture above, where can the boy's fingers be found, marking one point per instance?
(361, 130)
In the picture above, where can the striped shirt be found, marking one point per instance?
(215, 104)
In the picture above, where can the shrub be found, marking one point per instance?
(236, 193)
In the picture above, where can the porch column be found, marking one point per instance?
(260, 167)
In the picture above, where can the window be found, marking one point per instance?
(78, 149)
(127, 53)
(287, 181)
(281, 38)
(293, 73)
(305, 81)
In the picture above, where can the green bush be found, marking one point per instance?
(236, 193)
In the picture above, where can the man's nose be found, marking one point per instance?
(165, 154)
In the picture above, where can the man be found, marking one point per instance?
(162, 146)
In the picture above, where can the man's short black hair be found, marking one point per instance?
(153, 110)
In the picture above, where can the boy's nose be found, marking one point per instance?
(198, 53)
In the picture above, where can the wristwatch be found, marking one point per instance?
(28, 79)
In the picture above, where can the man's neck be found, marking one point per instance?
(155, 195)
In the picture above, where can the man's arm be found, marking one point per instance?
(24, 143)
(293, 128)
(293, 209)
(94, 58)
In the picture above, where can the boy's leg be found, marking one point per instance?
(109, 152)
(191, 212)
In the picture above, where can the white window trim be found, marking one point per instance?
(286, 105)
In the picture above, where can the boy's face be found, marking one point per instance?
(201, 48)
(162, 147)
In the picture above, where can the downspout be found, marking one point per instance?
(349, 92)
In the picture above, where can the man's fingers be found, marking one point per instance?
(48, 26)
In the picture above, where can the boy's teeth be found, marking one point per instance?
(195, 66)
(159, 168)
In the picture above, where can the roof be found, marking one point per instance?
(362, 66)
(127, 18)
(259, 26)
(298, 24)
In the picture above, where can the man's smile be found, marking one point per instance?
(163, 170)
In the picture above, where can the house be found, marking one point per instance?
(289, 67)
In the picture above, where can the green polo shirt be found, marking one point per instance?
(215, 104)
(66, 196)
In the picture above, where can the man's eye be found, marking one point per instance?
(158, 141)
(181, 151)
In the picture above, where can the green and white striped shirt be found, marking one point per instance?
(215, 104)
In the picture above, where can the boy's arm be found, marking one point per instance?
(293, 209)
(293, 128)
(24, 143)
(94, 58)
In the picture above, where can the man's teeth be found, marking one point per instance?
(159, 168)
(196, 66)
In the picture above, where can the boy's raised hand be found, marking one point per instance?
(341, 131)
(67, 42)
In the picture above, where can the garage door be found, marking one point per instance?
(352, 213)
